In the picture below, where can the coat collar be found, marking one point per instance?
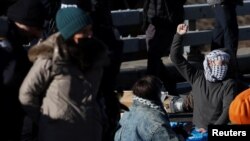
(46, 48)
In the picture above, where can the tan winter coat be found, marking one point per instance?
(64, 104)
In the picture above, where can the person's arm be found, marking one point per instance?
(182, 65)
(228, 97)
(34, 87)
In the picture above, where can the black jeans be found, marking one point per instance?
(159, 40)
(226, 32)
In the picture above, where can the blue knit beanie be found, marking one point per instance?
(71, 20)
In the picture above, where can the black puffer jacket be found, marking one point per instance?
(14, 65)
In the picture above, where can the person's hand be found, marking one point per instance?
(202, 130)
(182, 29)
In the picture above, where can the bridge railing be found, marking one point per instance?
(136, 45)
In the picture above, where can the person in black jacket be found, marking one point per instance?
(225, 33)
(22, 26)
(212, 88)
(161, 18)
(4, 6)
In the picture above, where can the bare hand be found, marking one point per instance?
(182, 29)
(202, 130)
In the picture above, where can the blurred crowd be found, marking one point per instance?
(59, 62)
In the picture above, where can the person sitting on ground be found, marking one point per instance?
(147, 119)
(239, 110)
(212, 88)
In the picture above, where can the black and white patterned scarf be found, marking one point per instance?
(146, 102)
(215, 73)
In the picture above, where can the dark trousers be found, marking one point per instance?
(108, 82)
(226, 32)
(29, 130)
(159, 40)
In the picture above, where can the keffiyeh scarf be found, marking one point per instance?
(215, 73)
(146, 102)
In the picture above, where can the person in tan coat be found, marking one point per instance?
(60, 90)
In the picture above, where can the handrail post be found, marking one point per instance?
(193, 53)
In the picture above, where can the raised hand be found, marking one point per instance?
(182, 29)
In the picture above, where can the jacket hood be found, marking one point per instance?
(54, 48)
(46, 48)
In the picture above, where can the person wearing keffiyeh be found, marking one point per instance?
(216, 65)
(146, 118)
(212, 87)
